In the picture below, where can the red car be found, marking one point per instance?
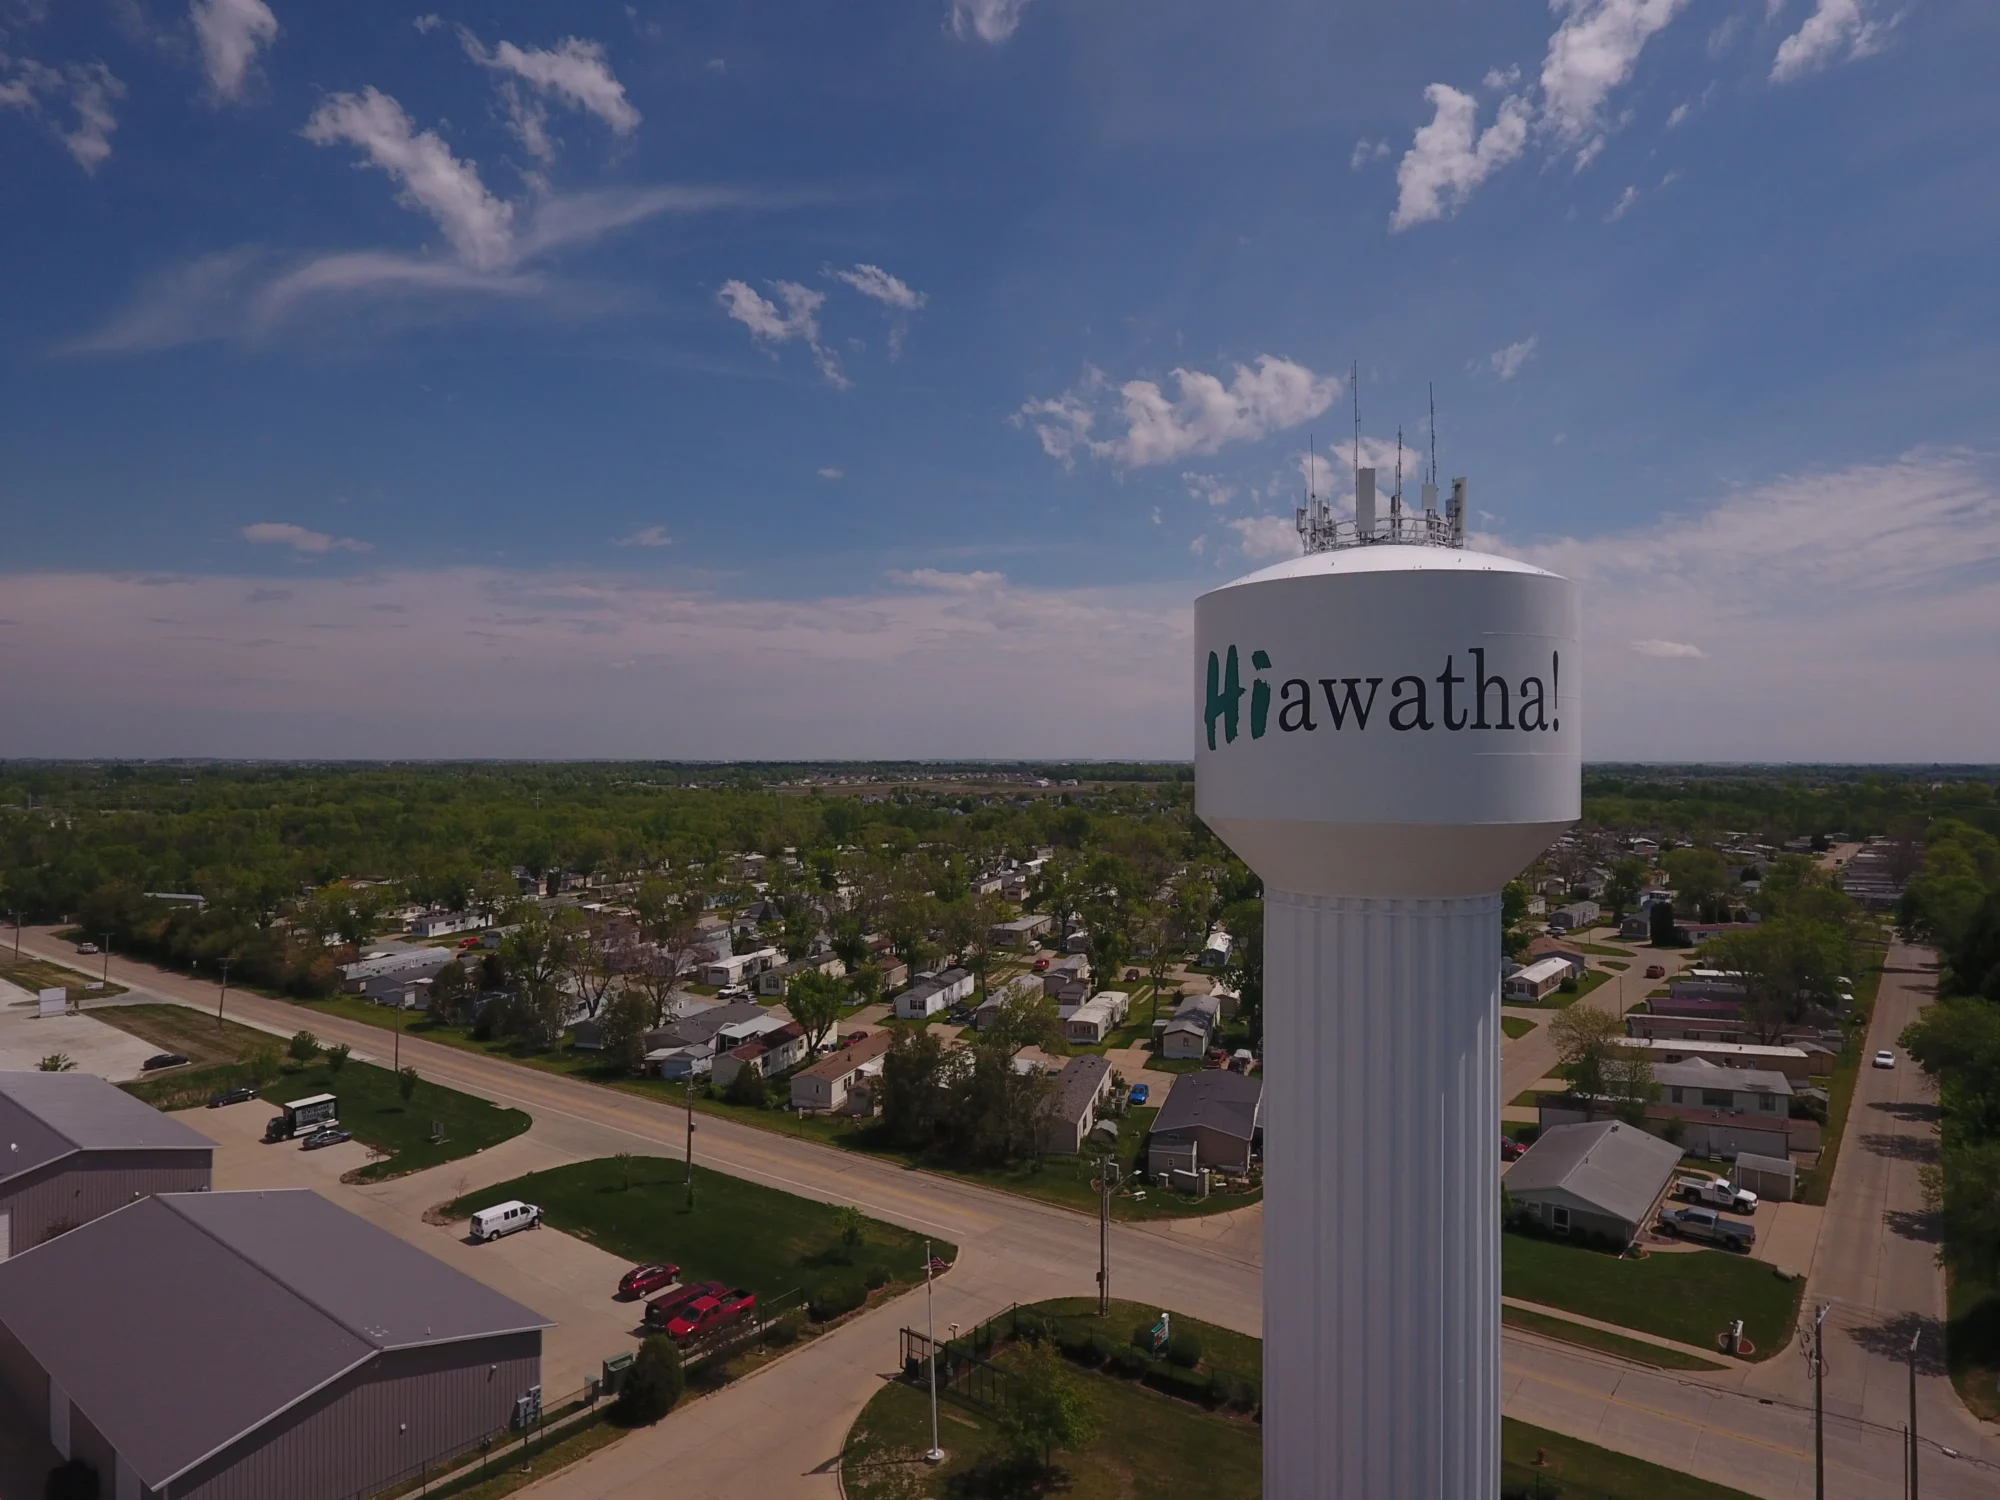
(1511, 1149)
(1655, 971)
(705, 1315)
(852, 1037)
(662, 1311)
(647, 1278)
(1041, 966)
(1131, 974)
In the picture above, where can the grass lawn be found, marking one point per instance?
(175, 1028)
(1146, 1444)
(371, 1107)
(36, 974)
(1616, 965)
(1221, 1348)
(1587, 1472)
(1689, 1297)
(1605, 950)
(504, 1472)
(738, 1232)
(1516, 1027)
(1635, 1350)
(1560, 999)
(1158, 1064)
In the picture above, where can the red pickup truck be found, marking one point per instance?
(662, 1311)
(705, 1315)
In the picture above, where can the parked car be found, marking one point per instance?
(241, 1094)
(1656, 971)
(663, 1310)
(1716, 1192)
(1511, 1149)
(1141, 1092)
(650, 1277)
(1707, 1224)
(86, 947)
(707, 1315)
(1130, 975)
(1041, 966)
(505, 1218)
(162, 1060)
(1885, 1059)
(852, 1037)
(326, 1135)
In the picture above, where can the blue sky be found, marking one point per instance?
(824, 379)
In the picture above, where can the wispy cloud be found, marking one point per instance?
(1508, 362)
(1668, 650)
(1837, 31)
(87, 89)
(1451, 156)
(1263, 538)
(770, 324)
(231, 33)
(575, 73)
(830, 472)
(990, 21)
(1204, 415)
(895, 294)
(300, 539)
(647, 536)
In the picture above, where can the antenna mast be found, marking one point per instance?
(1356, 382)
(1434, 432)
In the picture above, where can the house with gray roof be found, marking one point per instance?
(1071, 1108)
(73, 1147)
(240, 1346)
(1211, 1119)
(1604, 1178)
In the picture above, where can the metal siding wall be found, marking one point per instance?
(1381, 1204)
(87, 1186)
(90, 1445)
(25, 1379)
(347, 1440)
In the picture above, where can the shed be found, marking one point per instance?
(1767, 1176)
(77, 1148)
(238, 1346)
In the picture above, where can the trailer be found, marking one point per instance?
(303, 1117)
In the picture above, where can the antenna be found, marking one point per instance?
(1434, 432)
(1357, 423)
(1399, 460)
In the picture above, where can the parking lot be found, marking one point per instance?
(557, 1275)
(27, 1037)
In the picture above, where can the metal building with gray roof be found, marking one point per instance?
(1601, 1177)
(247, 1345)
(73, 1147)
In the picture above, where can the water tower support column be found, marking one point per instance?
(1381, 1205)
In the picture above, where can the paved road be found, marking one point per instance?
(1525, 1061)
(791, 1418)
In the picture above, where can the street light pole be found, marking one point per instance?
(107, 960)
(17, 933)
(222, 994)
(1106, 1180)
(1913, 1412)
(690, 1137)
(936, 1455)
(1819, 1402)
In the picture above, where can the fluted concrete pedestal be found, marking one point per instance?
(1381, 1198)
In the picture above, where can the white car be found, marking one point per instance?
(1885, 1059)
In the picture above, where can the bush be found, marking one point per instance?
(653, 1384)
(1175, 1381)
(747, 1087)
(877, 1278)
(1184, 1348)
(486, 1022)
(1128, 1362)
(834, 1299)
(75, 1480)
(304, 1047)
(1030, 1327)
(336, 1057)
(782, 1334)
(1080, 1345)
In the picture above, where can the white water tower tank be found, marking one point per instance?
(1390, 730)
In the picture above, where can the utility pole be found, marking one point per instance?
(1914, 1339)
(1107, 1179)
(936, 1455)
(1816, 1358)
(222, 994)
(17, 933)
(690, 1137)
(107, 960)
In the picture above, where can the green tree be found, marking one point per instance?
(1591, 1055)
(748, 1087)
(816, 1001)
(624, 1025)
(915, 1071)
(1660, 925)
(851, 1224)
(449, 989)
(1696, 875)
(1964, 1190)
(406, 1083)
(1046, 1410)
(304, 1047)
(261, 1063)
(336, 1057)
(1788, 964)
(56, 1062)
(1628, 878)
(652, 1386)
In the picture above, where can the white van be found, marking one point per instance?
(505, 1218)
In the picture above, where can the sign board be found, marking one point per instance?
(1162, 1333)
(54, 1002)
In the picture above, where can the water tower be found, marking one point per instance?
(1389, 732)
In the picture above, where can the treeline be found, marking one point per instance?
(1781, 804)
(1954, 902)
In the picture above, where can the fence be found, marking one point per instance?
(503, 1448)
(960, 1372)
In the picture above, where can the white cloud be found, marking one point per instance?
(1837, 31)
(1262, 538)
(299, 539)
(1366, 152)
(1623, 206)
(1592, 53)
(1199, 545)
(1202, 417)
(647, 536)
(87, 88)
(1208, 487)
(1668, 649)
(1507, 362)
(428, 23)
(1677, 115)
(990, 21)
(798, 320)
(574, 72)
(891, 291)
(1497, 79)
(717, 65)
(1450, 157)
(231, 33)
(830, 472)
(433, 181)
(943, 582)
